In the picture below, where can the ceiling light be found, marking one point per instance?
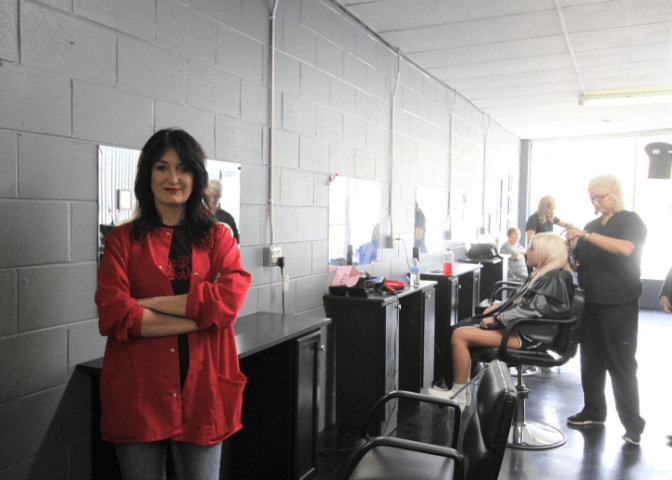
(631, 98)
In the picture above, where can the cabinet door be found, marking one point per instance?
(306, 407)
(454, 288)
(476, 292)
(389, 380)
(428, 338)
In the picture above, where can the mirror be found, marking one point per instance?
(116, 200)
(354, 221)
(430, 219)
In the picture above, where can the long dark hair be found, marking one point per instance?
(196, 219)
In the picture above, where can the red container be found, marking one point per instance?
(447, 268)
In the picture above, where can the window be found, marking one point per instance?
(563, 170)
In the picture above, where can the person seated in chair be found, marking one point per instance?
(517, 268)
(546, 293)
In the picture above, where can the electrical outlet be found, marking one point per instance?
(271, 255)
(285, 283)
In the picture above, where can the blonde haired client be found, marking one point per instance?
(546, 293)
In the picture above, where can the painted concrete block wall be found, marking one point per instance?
(76, 73)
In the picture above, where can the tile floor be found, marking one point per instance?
(596, 453)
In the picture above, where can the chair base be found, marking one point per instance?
(535, 436)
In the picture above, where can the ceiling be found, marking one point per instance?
(525, 62)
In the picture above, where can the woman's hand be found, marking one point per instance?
(575, 233)
(487, 321)
(566, 226)
(665, 303)
(491, 308)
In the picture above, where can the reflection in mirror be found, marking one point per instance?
(116, 201)
(354, 221)
(223, 194)
(430, 219)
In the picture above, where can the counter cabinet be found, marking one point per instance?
(383, 343)
(279, 354)
(456, 298)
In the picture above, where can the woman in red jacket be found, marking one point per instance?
(170, 286)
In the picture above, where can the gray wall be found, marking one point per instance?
(76, 73)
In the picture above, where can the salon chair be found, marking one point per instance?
(393, 458)
(526, 434)
(501, 291)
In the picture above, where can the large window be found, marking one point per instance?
(563, 169)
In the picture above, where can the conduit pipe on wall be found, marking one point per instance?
(450, 165)
(485, 162)
(271, 136)
(393, 111)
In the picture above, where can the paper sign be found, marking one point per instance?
(347, 276)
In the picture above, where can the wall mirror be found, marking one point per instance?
(354, 221)
(430, 219)
(116, 176)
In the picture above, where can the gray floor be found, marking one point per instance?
(590, 453)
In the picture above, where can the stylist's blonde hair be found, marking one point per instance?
(544, 203)
(612, 185)
(552, 253)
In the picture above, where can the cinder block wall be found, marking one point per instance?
(78, 73)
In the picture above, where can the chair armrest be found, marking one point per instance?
(515, 283)
(498, 287)
(405, 444)
(373, 414)
(501, 285)
(508, 330)
(541, 321)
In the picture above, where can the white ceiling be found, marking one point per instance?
(525, 62)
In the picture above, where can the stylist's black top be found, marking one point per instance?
(609, 278)
(533, 223)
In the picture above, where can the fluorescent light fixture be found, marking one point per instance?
(624, 99)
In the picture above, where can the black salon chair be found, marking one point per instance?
(526, 434)
(500, 291)
(392, 458)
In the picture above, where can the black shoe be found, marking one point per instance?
(633, 438)
(583, 420)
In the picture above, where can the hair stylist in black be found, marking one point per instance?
(609, 252)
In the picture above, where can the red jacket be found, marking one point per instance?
(140, 383)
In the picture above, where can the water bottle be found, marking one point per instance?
(415, 273)
(448, 259)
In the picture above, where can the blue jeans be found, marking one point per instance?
(147, 461)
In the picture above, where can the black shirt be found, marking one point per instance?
(609, 278)
(225, 217)
(179, 272)
(538, 227)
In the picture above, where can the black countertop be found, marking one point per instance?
(254, 333)
(458, 269)
(493, 260)
(388, 297)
